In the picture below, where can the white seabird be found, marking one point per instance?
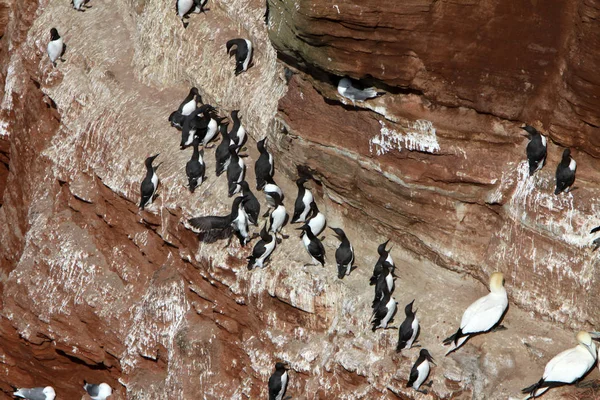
(38, 393)
(482, 315)
(348, 91)
(566, 367)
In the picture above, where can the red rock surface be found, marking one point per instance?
(94, 289)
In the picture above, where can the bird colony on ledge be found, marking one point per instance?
(200, 126)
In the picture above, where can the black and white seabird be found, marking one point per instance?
(346, 89)
(195, 169)
(344, 255)
(80, 5)
(98, 392)
(566, 367)
(262, 249)
(272, 192)
(187, 106)
(483, 314)
(278, 217)
(222, 155)
(278, 382)
(317, 221)
(420, 371)
(237, 219)
(195, 125)
(384, 255)
(211, 129)
(383, 314)
(536, 149)
(238, 132)
(409, 329)
(184, 8)
(235, 171)
(251, 205)
(199, 6)
(303, 202)
(313, 245)
(384, 285)
(56, 47)
(565, 173)
(596, 241)
(38, 393)
(149, 184)
(243, 53)
(264, 166)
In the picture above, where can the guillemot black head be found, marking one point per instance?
(381, 248)
(408, 308)
(261, 144)
(54, 34)
(280, 366)
(566, 155)
(150, 159)
(338, 232)
(531, 131)
(425, 354)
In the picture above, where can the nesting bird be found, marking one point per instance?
(243, 53)
(565, 173)
(264, 167)
(38, 393)
(384, 284)
(187, 106)
(536, 149)
(195, 168)
(409, 329)
(566, 367)
(344, 254)
(278, 382)
(420, 371)
(237, 219)
(56, 47)
(149, 184)
(346, 89)
(262, 249)
(98, 392)
(278, 217)
(195, 125)
(303, 202)
(483, 314)
(313, 245)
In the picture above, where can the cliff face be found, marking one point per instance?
(94, 289)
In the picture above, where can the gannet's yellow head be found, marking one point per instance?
(584, 338)
(496, 282)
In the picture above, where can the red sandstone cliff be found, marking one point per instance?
(93, 289)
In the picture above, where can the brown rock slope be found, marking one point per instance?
(94, 289)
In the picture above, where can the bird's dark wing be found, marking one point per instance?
(194, 169)
(343, 255)
(406, 332)
(92, 389)
(259, 249)
(252, 208)
(317, 250)
(414, 374)
(210, 222)
(262, 168)
(32, 394)
(274, 386)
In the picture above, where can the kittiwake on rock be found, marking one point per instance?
(483, 314)
(38, 393)
(98, 392)
(347, 89)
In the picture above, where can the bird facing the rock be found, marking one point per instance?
(536, 149)
(243, 53)
(565, 173)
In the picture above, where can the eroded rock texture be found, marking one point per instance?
(94, 289)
